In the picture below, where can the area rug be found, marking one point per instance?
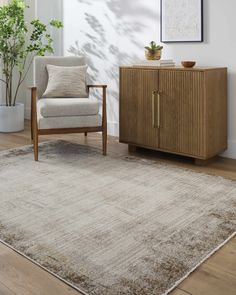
(115, 225)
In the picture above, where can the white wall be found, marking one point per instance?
(110, 33)
(47, 10)
(113, 32)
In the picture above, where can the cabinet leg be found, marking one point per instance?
(132, 148)
(200, 162)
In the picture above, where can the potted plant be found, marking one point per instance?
(153, 51)
(20, 42)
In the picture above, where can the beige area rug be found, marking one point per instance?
(112, 225)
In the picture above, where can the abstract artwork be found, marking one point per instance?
(181, 21)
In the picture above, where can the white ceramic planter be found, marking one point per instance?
(12, 118)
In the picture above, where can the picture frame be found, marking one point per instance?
(181, 21)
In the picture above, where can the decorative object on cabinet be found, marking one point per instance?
(182, 22)
(188, 64)
(177, 110)
(155, 63)
(153, 51)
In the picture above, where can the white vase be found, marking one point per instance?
(12, 118)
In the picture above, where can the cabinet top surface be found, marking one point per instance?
(173, 68)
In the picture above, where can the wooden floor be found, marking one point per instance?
(217, 276)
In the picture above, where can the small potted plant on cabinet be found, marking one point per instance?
(153, 51)
(20, 42)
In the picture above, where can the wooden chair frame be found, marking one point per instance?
(35, 131)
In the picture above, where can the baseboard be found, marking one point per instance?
(27, 113)
(113, 128)
(231, 151)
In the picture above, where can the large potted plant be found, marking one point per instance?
(20, 42)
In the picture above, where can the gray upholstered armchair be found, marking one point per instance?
(64, 115)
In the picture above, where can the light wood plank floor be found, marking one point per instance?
(217, 276)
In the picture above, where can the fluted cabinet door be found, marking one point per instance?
(136, 107)
(182, 112)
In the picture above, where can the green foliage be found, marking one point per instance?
(56, 23)
(20, 42)
(153, 47)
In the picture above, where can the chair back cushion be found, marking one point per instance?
(40, 69)
(66, 82)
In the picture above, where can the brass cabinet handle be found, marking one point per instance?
(156, 119)
(154, 108)
(159, 110)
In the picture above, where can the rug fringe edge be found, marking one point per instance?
(84, 293)
(44, 268)
(200, 263)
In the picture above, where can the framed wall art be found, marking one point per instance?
(181, 21)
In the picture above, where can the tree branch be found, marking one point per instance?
(32, 59)
(3, 81)
(20, 81)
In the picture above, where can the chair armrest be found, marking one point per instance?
(97, 86)
(104, 88)
(104, 103)
(32, 87)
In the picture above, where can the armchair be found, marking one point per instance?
(64, 115)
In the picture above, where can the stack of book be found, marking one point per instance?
(155, 63)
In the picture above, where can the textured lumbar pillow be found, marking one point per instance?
(66, 81)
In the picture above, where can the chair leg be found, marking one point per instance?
(85, 134)
(31, 123)
(104, 142)
(36, 147)
(32, 132)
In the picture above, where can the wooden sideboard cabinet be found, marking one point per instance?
(176, 110)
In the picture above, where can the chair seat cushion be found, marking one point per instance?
(69, 122)
(66, 107)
